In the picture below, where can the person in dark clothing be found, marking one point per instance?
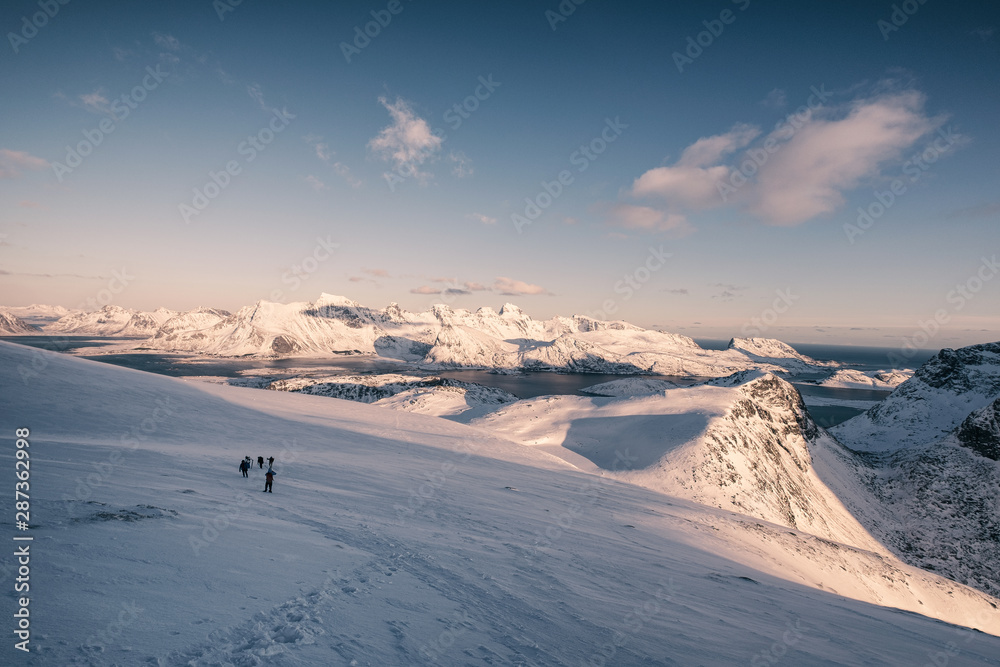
(270, 461)
(244, 467)
(269, 479)
(260, 462)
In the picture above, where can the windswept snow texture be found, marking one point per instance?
(445, 338)
(394, 539)
(12, 325)
(930, 484)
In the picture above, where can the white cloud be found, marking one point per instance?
(511, 287)
(806, 169)
(807, 174)
(691, 182)
(12, 163)
(408, 142)
(425, 289)
(649, 219)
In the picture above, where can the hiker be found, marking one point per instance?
(270, 461)
(269, 477)
(260, 462)
(244, 467)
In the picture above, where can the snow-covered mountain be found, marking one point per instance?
(112, 320)
(396, 538)
(443, 337)
(769, 350)
(930, 480)
(742, 443)
(38, 314)
(851, 378)
(930, 404)
(12, 325)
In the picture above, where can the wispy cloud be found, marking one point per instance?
(775, 99)
(408, 142)
(485, 219)
(462, 165)
(511, 287)
(378, 273)
(808, 173)
(96, 102)
(646, 218)
(808, 167)
(12, 163)
(324, 153)
(315, 183)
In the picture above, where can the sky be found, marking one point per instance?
(815, 172)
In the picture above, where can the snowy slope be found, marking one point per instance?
(741, 443)
(941, 393)
(400, 539)
(927, 479)
(12, 325)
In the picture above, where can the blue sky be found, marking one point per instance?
(708, 188)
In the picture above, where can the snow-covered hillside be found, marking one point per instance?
(741, 443)
(930, 482)
(769, 350)
(439, 397)
(930, 404)
(12, 325)
(394, 538)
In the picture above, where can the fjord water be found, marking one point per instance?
(523, 385)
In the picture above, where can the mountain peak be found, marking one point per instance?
(334, 300)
